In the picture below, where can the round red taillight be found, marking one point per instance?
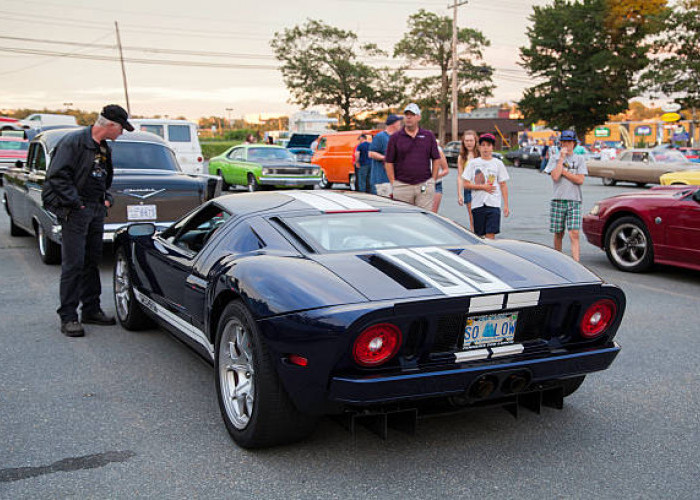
(598, 318)
(377, 345)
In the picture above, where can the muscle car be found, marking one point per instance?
(312, 302)
(148, 185)
(636, 230)
(641, 166)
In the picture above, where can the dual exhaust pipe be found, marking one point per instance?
(512, 383)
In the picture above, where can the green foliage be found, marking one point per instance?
(428, 42)
(239, 134)
(675, 68)
(323, 66)
(584, 67)
(215, 148)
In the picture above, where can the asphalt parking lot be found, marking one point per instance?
(121, 414)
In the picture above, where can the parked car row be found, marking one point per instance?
(641, 166)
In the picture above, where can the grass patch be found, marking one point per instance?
(215, 148)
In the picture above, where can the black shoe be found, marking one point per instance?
(99, 318)
(72, 329)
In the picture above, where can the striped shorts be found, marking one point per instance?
(564, 214)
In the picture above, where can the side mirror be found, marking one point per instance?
(696, 195)
(141, 229)
(19, 164)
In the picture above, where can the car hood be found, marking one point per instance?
(301, 140)
(655, 193)
(282, 164)
(492, 268)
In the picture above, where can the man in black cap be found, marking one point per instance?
(76, 190)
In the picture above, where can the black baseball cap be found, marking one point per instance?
(116, 113)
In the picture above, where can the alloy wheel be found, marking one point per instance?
(628, 245)
(122, 288)
(236, 373)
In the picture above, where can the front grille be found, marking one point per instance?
(532, 325)
(290, 171)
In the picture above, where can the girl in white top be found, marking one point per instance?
(468, 152)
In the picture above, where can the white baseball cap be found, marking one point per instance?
(413, 108)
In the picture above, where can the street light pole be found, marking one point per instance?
(455, 103)
(228, 115)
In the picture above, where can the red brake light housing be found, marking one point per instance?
(376, 345)
(597, 318)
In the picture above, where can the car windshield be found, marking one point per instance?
(376, 230)
(269, 154)
(143, 156)
(669, 156)
(14, 145)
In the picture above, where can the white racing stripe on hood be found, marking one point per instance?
(427, 271)
(464, 270)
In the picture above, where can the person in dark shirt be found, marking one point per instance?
(362, 165)
(77, 190)
(408, 161)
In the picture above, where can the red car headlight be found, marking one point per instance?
(376, 345)
(597, 318)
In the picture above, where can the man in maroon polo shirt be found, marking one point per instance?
(408, 161)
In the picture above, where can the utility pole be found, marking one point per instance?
(455, 103)
(121, 58)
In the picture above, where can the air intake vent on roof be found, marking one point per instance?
(394, 272)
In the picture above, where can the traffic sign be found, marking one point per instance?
(671, 117)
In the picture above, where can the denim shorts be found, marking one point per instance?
(438, 187)
(467, 196)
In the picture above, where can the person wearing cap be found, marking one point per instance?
(413, 161)
(568, 172)
(486, 176)
(77, 190)
(378, 179)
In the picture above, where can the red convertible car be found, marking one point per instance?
(636, 230)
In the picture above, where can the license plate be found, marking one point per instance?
(490, 330)
(141, 212)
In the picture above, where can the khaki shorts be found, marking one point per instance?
(384, 189)
(420, 195)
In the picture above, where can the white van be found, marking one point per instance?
(180, 135)
(39, 120)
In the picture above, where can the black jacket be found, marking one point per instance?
(71, 163)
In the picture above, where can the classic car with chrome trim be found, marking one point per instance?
(682, 177)
(636, 230)
(641, 166)
(147, 186)
(312, 302)
(260, 166)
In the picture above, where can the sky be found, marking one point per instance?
(214, 58)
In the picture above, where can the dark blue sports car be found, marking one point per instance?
(313, 303)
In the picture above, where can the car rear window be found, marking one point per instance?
(143, 156)
(14, 145)
(375, 231)
(179, 133)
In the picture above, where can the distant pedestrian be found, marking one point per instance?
(468, 151)
(443, 170)
(77, 191)
(568, 172)
(249, 139)
(487, 176)
(545, 157)
(378, 179)
(362, 165)
(270, 140)
(408, 161)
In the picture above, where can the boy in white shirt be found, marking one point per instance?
(486, 177)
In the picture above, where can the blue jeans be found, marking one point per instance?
(363, 182)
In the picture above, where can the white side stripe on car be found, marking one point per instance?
(330, 202)
(172, 319)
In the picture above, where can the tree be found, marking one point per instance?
(675, 67)
(585, 55)
(323, 66)
(428, 42)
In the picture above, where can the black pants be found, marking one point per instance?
(81, 252)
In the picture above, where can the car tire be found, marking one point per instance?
(608, 181)
(324, 184)
(628, 245)
(352, 182)
(252, 183)
(571, 385)
(49, 251)
(129, 312)
(254, 406)
(224, 185)
(516, 162)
